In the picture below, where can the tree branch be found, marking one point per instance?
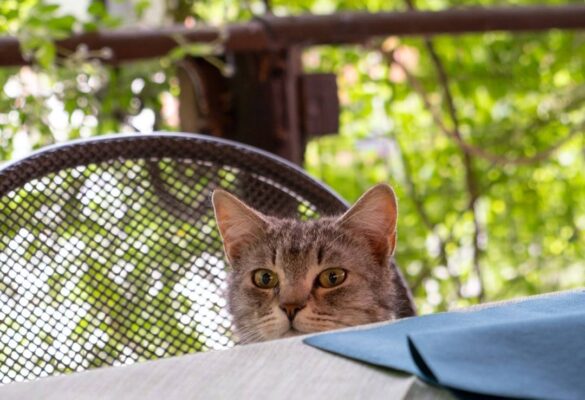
(420, 209)
(467, 147)
(470, 178)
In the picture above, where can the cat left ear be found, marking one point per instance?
(238, 224)
(374, 217)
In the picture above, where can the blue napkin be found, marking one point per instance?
(530, 349)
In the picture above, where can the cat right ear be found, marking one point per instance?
(373, 217)
(238, 224)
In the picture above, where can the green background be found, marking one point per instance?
(495, 214)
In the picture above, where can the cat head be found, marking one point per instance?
(290, 277)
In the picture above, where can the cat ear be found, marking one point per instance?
(374, 216)
(238, 224)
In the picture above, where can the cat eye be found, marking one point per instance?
(331, 277)
(265, 279)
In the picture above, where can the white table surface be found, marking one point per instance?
(279, 369)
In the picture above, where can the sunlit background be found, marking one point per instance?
(502, 219)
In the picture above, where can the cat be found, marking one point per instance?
(291, 277)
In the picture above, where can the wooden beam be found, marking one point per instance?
(265, 102)
(272, 33)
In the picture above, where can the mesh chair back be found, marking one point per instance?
(109, 253)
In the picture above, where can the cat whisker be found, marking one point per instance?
(273, 331)
(330, 320)
(268, 326)
(322, 313)
(268, 318)
(251, 336)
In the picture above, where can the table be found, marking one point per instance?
(279, 369)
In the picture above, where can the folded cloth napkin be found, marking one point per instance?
(532, 349)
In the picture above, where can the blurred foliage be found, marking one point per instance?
(472, 227)
(106, 272)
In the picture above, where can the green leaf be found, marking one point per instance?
(97, 9)
(62, 23)
(47, 8)
(45, 55)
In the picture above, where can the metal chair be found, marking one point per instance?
(109, 252)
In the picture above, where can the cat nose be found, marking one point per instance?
(291, 309)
